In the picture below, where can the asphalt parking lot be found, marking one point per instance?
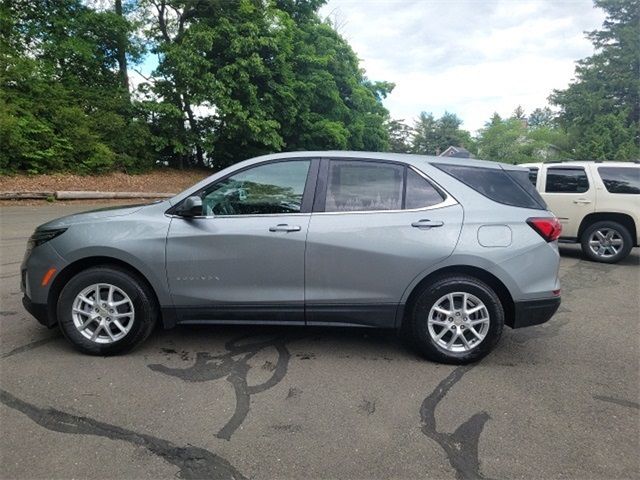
(556, 401)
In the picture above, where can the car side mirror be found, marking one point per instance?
(191, 207)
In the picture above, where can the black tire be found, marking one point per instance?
(146, 310)
(417, 319)
(622, 232)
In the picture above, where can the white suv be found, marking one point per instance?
(598, 204)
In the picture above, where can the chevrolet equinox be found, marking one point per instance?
(446, 251)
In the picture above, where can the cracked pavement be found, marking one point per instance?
(556, 401)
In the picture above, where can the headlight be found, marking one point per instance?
(42, 236)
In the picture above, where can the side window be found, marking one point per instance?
(533, 175)
(420, 193)
(621, 179)
(266, 189)
(359, 185)
(566, 180)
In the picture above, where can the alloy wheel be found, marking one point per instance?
(606, 242)
(458, 322)
(103, 313)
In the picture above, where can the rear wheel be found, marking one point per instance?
(106, 310)
(456, 319)
(606, 242)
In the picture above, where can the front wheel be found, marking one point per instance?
(457, 319)
(606, 242)
(106, 310)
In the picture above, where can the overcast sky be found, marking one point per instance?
(470, 57)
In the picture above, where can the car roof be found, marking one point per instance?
(412, 159)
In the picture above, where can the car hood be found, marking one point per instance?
(92, 215)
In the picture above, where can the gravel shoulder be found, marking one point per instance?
(165, 181)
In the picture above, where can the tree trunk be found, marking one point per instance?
(193, 125)
(122, 52)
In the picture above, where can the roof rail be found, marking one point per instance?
(574, 160)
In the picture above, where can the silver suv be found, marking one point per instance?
(447, 251)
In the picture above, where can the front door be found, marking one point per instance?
(244, 258)
(377, 226)
(570, 195)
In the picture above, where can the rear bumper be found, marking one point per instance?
(533, 312)
(39, 311)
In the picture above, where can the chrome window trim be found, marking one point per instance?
(447, 202)
(170, 215)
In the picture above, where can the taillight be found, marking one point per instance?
(549, 228)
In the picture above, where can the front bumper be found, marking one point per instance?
(39, 311)
(533, 312)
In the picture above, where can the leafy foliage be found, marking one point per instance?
(238, 78)
(601, 109)
(62, 104)
(399, 136)
(518, 140)
(432, 136)
(235, 78)
(269, 76)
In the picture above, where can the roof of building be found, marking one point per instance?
(458, 152)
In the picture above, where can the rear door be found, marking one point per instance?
(375, 227)
(570, 194)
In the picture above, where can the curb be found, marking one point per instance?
(80, 195)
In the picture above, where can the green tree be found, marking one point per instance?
(264, 76)
(518, 113)
(63, 106)
(512, 140)
(541, 117)
(601, 109)
(432, 136)
(399, 136)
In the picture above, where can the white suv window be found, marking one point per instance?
(566, 180)
(621, 179)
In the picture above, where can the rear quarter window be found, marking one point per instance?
(621, 179)
(509, 187)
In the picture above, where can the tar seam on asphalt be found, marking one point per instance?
(30, 346)
(193, 462)
(618, 401)
(461, 446)
(234, 366)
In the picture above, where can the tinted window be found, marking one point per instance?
(566, 180)
(621, 179)
(496, 184)
(533, 176)
(420, 193)
(523, 179)
(357, 185)
(271, 188)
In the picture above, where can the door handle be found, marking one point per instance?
(426, 224)
(283, 227)
(582, 201)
